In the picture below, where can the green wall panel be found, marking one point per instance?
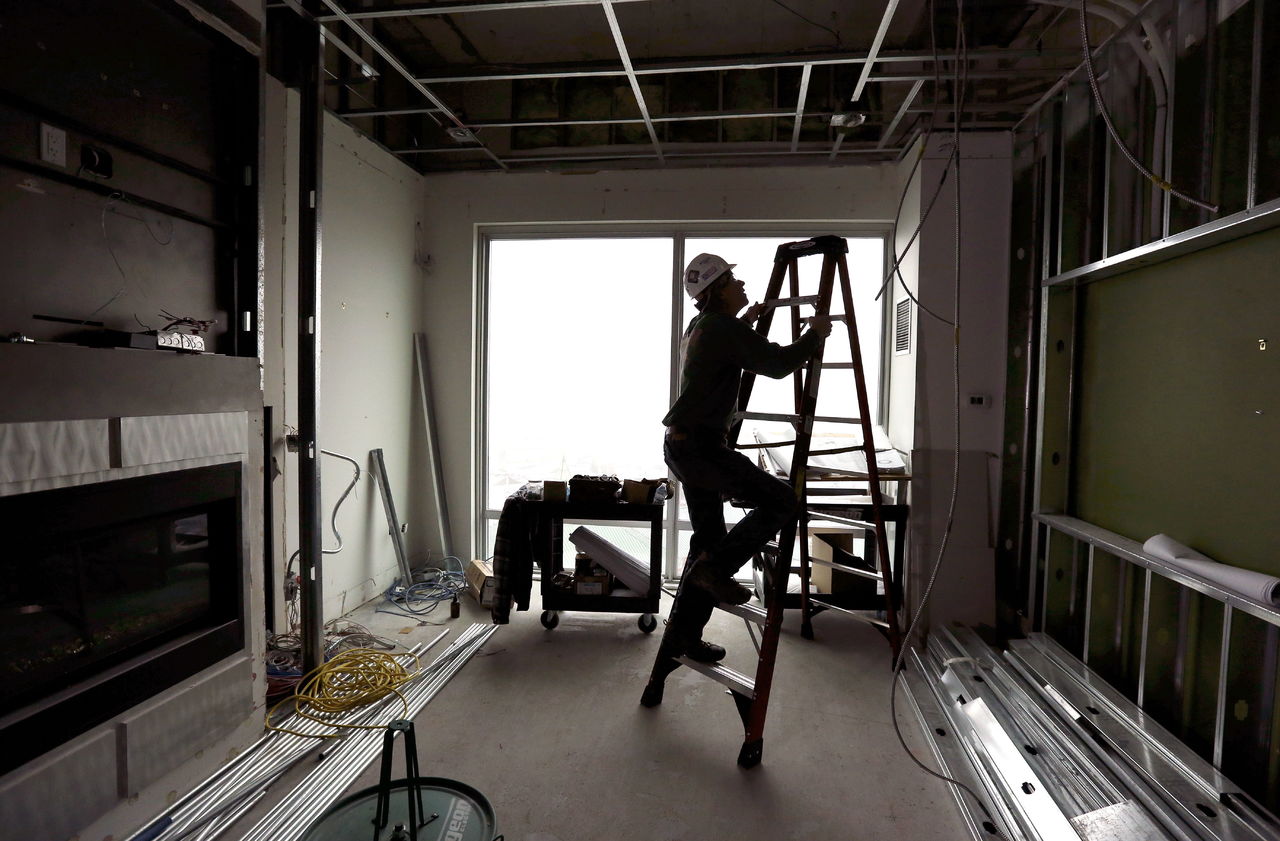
(1178, 409)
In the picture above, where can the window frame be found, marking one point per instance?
(678, 233)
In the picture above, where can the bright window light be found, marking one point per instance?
(579, 358)
(579, 355)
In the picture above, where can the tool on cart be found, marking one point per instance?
(751, 696)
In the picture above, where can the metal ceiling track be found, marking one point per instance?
(454, 8)
(624, 54)
(399, 67)
(748, 62)
(1052, 752)
(703, 116)
(902, 110)
(872, 53)
(465, 132)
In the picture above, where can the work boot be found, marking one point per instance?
(722, 588)
(704, 652)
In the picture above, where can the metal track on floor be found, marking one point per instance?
(216, 804)
(1056, 753)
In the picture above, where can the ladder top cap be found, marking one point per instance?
(828, 244)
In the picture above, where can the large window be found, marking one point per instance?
(581, 338)
(578, 363)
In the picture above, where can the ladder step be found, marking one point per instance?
(770, 416)
(792, 302)
(839, 518)
(749, 612)
(767, 416)
(883, 476)
(862, 615)
(764, 446)
(837, 366)
(865, 573)
(735, 681)
(834, 317)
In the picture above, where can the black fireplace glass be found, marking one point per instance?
(95, 575)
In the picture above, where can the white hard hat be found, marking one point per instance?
(704, 270)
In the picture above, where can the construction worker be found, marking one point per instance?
(717, 347)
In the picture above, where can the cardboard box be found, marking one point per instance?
(592, 585)
(842, 545)
(480, 582)
(553, 491)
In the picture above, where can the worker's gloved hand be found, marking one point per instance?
(821, 324)
(753, 313)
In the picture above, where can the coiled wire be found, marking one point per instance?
(352, 679)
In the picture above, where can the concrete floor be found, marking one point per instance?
(548, 725)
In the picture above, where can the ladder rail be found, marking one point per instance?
(797, 379)
(763, 323)
(873, 470)
(755, 718)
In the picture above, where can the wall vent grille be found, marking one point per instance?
(902, 327)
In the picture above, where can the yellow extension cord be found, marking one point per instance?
(352, 679)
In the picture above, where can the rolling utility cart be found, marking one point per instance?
(550, 517)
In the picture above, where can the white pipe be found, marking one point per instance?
(1156, 63)
(303, 805)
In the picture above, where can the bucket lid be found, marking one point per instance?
(463, 814)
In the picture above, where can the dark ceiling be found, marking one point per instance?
(596, 84)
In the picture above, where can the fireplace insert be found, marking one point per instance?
(110, 593)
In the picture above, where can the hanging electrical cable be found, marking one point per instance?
(1111, 129)
(291, 586)
(895, 270)
(953, 160)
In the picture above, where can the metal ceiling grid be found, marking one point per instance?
(544, 84)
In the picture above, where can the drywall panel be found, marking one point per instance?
(1179, 412)
(725, 198)
(371, 304)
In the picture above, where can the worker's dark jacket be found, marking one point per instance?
(715, 350)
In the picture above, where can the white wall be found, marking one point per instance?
(902, 368)
(371, 305)
(965, 589)
(457, 204)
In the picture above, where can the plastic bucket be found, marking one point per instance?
(463, 814)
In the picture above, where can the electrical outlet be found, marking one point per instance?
(53, 145)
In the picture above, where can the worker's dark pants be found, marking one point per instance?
(709, 472)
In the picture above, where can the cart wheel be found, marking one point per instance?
(648, 622)
(550, 619)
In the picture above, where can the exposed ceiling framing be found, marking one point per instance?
(553, 84)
